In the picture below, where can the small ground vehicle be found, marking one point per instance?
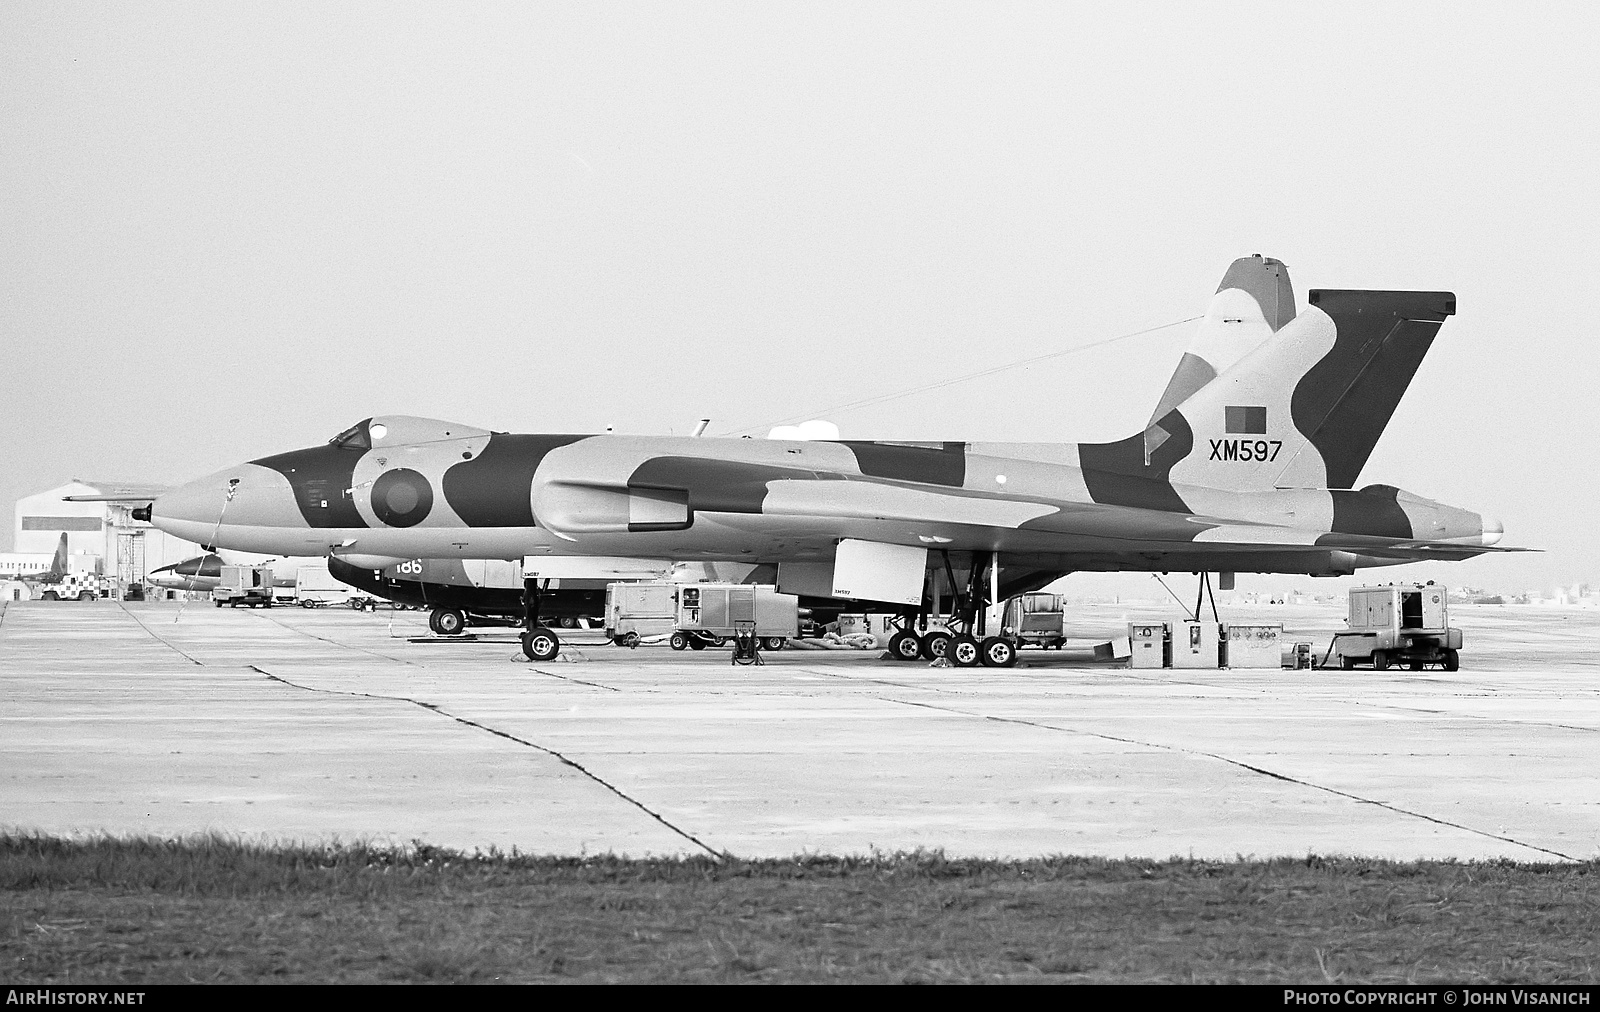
(133, 592)
(1400, 623)
(250, 586)
(72, 587)
(1038, 620)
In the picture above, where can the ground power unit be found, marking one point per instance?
(1399, 623)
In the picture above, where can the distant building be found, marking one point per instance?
(43, 517)
(101, 537)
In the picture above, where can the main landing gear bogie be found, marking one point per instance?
(961, 650)
(966, 644)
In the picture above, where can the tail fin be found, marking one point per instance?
(1253, 302)
(58, 564)
(1305, 409)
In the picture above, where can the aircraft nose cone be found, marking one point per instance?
(1493, 531)
(214, 509)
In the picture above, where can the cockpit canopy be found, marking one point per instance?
(401, 430)
(356, 437)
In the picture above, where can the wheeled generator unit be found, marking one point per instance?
(1400, 623)
(719, 611)
(250, 586)
(697, 615)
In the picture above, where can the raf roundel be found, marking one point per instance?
(402, 497)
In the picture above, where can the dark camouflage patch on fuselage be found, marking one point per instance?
(1117, 475)
(1372, 511)
(493, 489)
(717, 486)
(929, 465)
(321, 477)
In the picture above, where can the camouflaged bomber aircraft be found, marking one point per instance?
(1248, 465)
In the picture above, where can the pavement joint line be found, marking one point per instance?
(346, 646)
(1265, 692)
(1452, 714)
(1242, 765)
(158, 637)
(885, 681)
(716, 855)
(579, 681)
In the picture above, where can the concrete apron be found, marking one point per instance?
(318, 725)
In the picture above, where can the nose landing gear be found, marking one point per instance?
(538, 643)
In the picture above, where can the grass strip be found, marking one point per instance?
(109, 910)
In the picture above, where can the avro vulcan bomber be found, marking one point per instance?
(1249, 465)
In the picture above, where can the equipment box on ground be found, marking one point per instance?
(1254, 646)
(1150, 645)
(1196, 644)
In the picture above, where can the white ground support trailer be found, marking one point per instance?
(637, 610)
(315, 588)
(694, 616)
(1400, 623)
(1037, 620)
(250, 586)
(712, 612)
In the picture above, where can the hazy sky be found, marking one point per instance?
(231, 229)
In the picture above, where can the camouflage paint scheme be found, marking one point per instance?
(1251, 470)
